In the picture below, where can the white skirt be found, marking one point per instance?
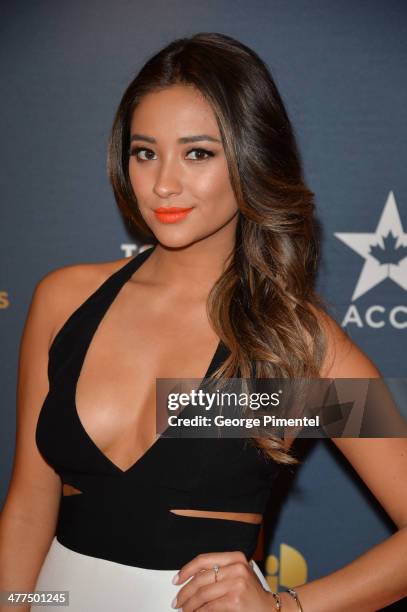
(97, 585)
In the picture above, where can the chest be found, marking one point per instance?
(107, 360)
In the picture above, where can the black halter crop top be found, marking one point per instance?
(124, 516)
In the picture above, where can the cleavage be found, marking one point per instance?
(115, 390)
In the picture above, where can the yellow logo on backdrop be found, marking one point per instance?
(289, 571)
(4, 301)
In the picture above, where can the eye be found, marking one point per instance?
(204, 151)
(136, 150)
(202, 154)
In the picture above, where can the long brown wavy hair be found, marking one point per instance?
(263, 305)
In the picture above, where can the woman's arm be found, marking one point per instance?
(30, 513)
(28, 519)
(378, 577)
(370, 582)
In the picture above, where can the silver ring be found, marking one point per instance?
(216, 570)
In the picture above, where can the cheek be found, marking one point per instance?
(214, 191)
(140, 181)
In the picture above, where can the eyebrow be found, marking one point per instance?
(182, 140)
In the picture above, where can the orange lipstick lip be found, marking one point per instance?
(171, 215)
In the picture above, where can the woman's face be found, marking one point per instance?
(177, 160)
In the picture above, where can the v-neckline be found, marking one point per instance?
(127, 271)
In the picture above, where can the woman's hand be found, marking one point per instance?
(237, 587)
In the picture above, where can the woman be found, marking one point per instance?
(203, 161)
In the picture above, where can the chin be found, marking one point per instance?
(175, 238)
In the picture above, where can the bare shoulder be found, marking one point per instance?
(344, 358)
(62, 290)
(34, 488)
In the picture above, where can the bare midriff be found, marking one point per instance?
(246, 517)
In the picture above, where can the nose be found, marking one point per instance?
(168, 181)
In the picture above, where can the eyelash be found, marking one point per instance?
(134, 152)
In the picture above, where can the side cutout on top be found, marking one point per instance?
(246, 517)
(68, 489)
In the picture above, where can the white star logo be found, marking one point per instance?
(384, 252)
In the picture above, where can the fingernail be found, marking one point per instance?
(176, 578)
(174, 603)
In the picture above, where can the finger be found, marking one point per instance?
(223, 604)
(210, 594)
(207, 561)
(207, 577)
